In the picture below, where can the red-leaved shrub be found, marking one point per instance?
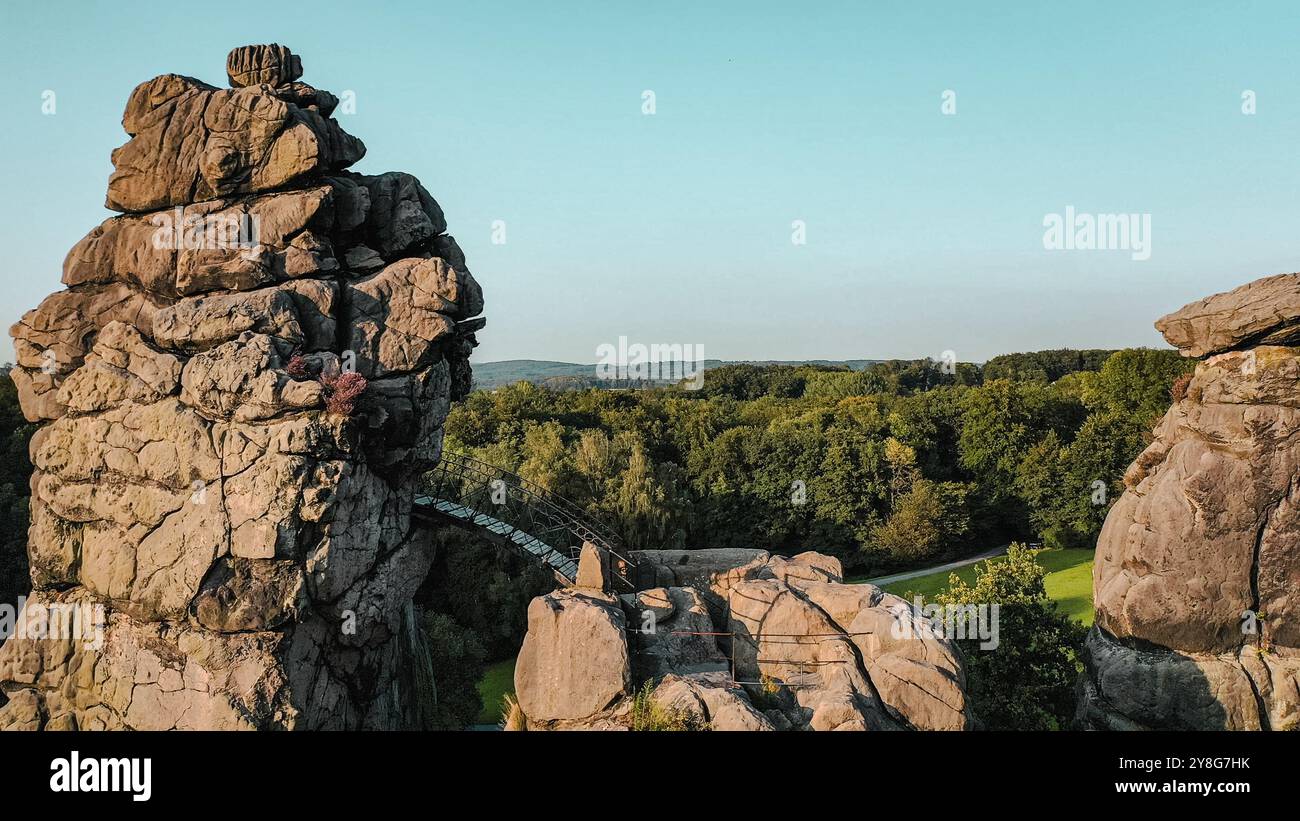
(342, 392)
(297, 366)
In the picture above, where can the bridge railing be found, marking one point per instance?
(529, 509)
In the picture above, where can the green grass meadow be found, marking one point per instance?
(498, 680)
(1068, 581)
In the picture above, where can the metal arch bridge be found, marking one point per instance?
(517, 513)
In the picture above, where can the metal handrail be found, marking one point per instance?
(448, 481)
(539, 494)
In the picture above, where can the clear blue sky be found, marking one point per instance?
(924, 231)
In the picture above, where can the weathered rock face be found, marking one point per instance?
(239, 388)
(1197, 578)
(754, 642)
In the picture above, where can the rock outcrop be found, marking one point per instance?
(1197, 576)
(740, 640)
(238, 390)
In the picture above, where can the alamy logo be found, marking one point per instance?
(34, 620)
(978, 622)
(1098, 232)
(657, 362)
(177, 231)
(77, 774)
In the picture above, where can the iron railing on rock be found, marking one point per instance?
(514, 511)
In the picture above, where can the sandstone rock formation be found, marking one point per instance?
(740, 640)
(247, 373)
(1197, 576)
(574, 663)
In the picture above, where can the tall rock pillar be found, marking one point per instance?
(238, 391)
(1197, 576)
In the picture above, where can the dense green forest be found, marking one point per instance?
(895, 465)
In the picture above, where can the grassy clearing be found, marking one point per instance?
(1071, 586)
(498, 682)
(1068, 581)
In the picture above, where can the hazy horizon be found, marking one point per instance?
(924, 229)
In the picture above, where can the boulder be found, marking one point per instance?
(593, 567)
(920, 678)
(1263, 312)
(401, 313)
(192, 142)
(710, 701)
(780, 636)
(807, 567)
(574, 662)
(273, 65)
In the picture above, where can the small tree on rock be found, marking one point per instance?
(1028, 681)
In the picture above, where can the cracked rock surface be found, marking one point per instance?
(247, 533)
(1196, 584)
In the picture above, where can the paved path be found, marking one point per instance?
(912, 574)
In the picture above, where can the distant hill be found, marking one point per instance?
(574, 375)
